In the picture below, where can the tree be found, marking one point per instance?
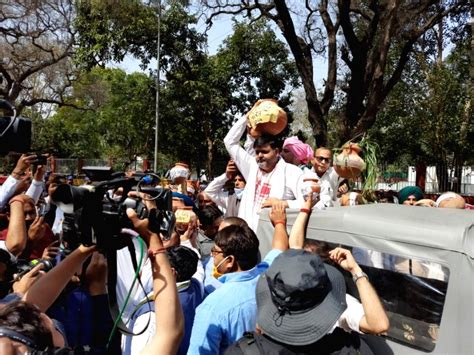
(36, 40)
(205, 92)
(118, 125)
(428, 116)
(199, 93)
(360, 33)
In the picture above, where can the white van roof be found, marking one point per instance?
(441, 228)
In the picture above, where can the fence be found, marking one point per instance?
(74, 166)
(398, 180)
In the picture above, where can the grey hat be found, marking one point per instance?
(299, 298)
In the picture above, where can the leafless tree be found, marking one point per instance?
(366, 43)
(36, 42)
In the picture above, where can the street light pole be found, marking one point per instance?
(157, 103)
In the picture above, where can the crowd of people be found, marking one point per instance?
(205, 288)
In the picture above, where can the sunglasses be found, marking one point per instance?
(323, 159)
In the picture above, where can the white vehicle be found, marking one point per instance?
(420, 261)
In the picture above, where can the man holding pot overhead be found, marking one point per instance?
(269, 178)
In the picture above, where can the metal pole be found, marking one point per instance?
(157, 104)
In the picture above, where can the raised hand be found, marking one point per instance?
(344, 259)
(37, 229)
(278, 212)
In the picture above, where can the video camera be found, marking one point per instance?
(96, 214)
(15, 132)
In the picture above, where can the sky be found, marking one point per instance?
(221, 29)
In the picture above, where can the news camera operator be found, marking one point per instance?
(80, 312)
(82, 307)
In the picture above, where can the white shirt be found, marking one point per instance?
(286, 180)
(7, 190)
(350, 318)
(35, 190)
(329, 185)
(125, 275)
(229, 203)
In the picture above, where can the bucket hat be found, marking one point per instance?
(299, 298)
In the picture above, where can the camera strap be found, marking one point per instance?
(111, 286)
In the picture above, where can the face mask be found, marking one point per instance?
(239, 193)
(215, 271)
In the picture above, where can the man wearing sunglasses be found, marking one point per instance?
(329, 179)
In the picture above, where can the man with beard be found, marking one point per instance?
(269, 178)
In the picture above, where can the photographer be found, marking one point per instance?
(188, 276)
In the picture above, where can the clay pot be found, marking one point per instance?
(348, 164)
(184, 215)
(178, 175)
(267, 117)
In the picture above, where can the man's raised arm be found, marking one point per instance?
(236, 152)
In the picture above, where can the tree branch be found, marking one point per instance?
(331, 30)
(28, 103)
(409, 45)
(353, 42)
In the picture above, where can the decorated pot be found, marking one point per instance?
(267, 117)
(184, 215)
(179, 172)
(348, 164)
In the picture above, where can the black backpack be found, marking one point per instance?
(338, 342)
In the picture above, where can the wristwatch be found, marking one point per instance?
(359, 275)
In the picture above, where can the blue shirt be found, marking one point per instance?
(190, 298)
(229, 311)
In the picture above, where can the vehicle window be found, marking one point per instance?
(413, 292)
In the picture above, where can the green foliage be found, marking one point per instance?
(257, 64)
(428, 116)
(108, 30)
(199, 95)
(118, 123)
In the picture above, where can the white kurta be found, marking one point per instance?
(286, 180)
(7, 190)
(329, 185)
(229, 203)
